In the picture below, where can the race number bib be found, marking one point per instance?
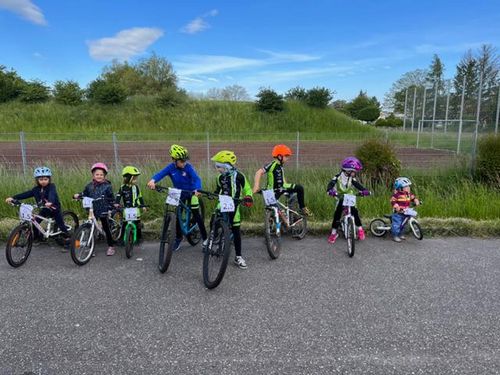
(226, 203)
(269, 197)
(131, 214)
(87, 202)
(26, 212)
(173, 197)
(410, 212)
(349, 200)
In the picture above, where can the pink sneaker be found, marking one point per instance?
(361, 234)
(332, 238)
(111, 251)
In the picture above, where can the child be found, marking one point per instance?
(276, 177)
(100, 187)
(45, 193)
(131, 195)
(400, 201)
(233, 183)
(345, 183)
(184, 177)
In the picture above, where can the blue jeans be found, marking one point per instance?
(397, 219)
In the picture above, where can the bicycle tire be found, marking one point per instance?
(82, 244)
(166, 242)
(416, 230)
(24, 233)
(273, 239)
(195, 236)
(216, 254)
(350, 238)
(71, 222)
(375, 227)
(298, 225)
(116, 225)
(128, 239)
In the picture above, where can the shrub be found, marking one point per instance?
(380, 163)
(171, 97)
(34, 92)
(381, 122)
(319, 97)
(370, 113)
(297, 93)
(391, 121)
(269, 101)
(104, 92)
(488, 160)
(10, 85)
(68, 92)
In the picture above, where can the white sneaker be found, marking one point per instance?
(205, 243)
(240, 262)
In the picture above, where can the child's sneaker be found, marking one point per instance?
(396, 239)
(240, 262)
(111, 251)
(402, 237)
(177, 244)
(361, 234)
(333, 237)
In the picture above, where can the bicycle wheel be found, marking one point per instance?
(416, 230)
(350, 237)
(167, 241)
(115, 225)
(377, 227)
(82, 244)
(19, 245)
(273, 238)
(128, 239)
(216, 254)
(71, 222)
(195, 235)
(298, 225)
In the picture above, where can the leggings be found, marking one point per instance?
(338, 214)
(294, 188)
(107, 230)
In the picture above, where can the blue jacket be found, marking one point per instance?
(97, 190)
(42, 195)
(185, 179)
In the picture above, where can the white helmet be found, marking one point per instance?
(402, 182)
(42, 172)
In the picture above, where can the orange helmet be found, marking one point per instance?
(282, 150)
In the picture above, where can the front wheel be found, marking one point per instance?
(19, 245)
(350, 238)
(129, 239)
(377, 227)
(273, 235)
(216, 254)
(167, 242)
(195, 235)
(82, 244)
(416, 230)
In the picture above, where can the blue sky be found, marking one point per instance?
(342, 45)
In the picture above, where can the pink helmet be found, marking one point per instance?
(99, 166)
(351, 164)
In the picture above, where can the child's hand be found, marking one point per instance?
(151, 184)
(48, 204)
(417, 202)
(144, 209)
(9, 200)
(365, 193)
(248, 201)
(116, 205)
(196, 192)
(332, 193)
(76, 196)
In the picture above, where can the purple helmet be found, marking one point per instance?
(351, 164)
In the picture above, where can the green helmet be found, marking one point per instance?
(130, 170)
(225, 156)
(178, 152)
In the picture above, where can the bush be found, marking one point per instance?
(370, 113)
(34, 92)
(171, 97)
(104, 92)
(68, 92)
(297, 93)
(380, 163)
(319, 97)
(391, 121)
(10, 85)
(269, 101)
(488, 160)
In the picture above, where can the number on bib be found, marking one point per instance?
(226, 203)
(173, 197)
(26, 212)
(131, 214)
(269, 197)
(87, 202)
(410, 212)
(349, 200)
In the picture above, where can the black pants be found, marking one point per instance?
(299, 189)
(107, 230)
(338, 214)
(56, 215)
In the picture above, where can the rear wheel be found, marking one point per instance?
(273, 236)
(195, 235)
(216, 254)
(115, 225)
(19, 245)
(350, 238)
(298, 222)
(377, 227)
(416, 230)
(166, 242)
(71, 222)
(129, 240)
(82, 244)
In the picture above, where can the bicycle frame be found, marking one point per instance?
(184, 222)
(283, 212)
(50, 222)
(346, 216)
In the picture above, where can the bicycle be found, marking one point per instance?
(379, 227)
(280, 218)
(83, 239)
(130, 231)
(20, 240)
(347, 224)
(183, 213)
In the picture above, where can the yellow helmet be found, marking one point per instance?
(225, 156)
(178, 152)
(130, 170)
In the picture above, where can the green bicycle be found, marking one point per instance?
(130, 216)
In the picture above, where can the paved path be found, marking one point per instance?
(430, 307)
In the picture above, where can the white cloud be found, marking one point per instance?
(125, 44)
(26, 9)
(199, 24)
(38, 55)
(211, 79)
(206, 64)
(278, 57)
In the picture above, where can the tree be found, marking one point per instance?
(10, 84)
(467, 68)
(106, 92)
(369, 114)
(68, 92)
(358, 105)
(435, 75)
(269, 101)
(339, 105)
(395, 98)
(319, 97)
(157, 72)
(34, 92)
(297, 93)
(127, 76)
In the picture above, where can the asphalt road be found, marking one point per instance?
(429, 307)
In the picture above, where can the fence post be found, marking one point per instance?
(434, 115)
(446, 113)
(23, 151)
(421, 122)
(414, 103)
(298, 151)
(478, 115)
(404, 116)
(498, 111)
(208, 154)
(460, 123)
(115, 149)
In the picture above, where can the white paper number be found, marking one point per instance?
(410, 212)
(87, 202)
(226, 203)
(269, 197)
(349, 200)
(26, 212)
(131, 214)
(173, 197)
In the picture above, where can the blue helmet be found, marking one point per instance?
(402, 182)
(42, 172)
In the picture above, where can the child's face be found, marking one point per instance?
(43, 181)
(133, 180)
(180, 163)
(285, 159)
(407, 189)
(350, 173)
(98, 175)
